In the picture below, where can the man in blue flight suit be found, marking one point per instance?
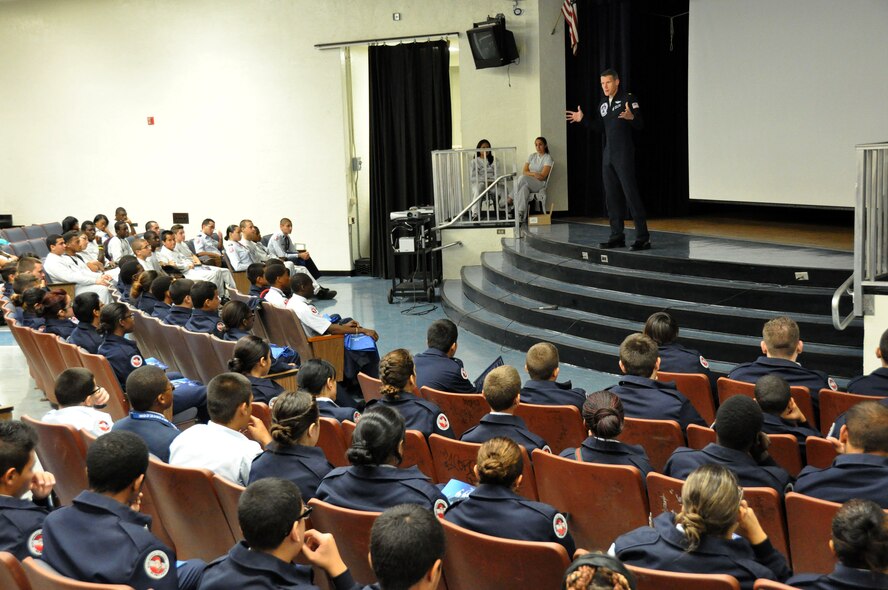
(642, 395)
(272, 517)
(150, 393)
(180, 296)
(21, 521)
(541, 363)
(781, 346)
(619, 115)
(861, 469)
(205, 310)
(437, 367)
(102, 537)
(876, 383)
(406, 548)
(740, 446)
(502, 388)
(781, 414)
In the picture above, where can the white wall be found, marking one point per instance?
(249, 115)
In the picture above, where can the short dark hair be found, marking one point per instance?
(84, 305)
(179, 290)
(377, 436)
(176, 227)
(661, 327)
(441, 335)
(501, 387)
(225, 394)
(86, 224)
(248, 351)
(51, 240)
(128, 271)
(9, 269)
(100, 217)
(267, 511)
(201, 292)
(772, 394)
(860, 535)
(299, 281)
(144, 385)
(165, 233)
(73, 386)
(27, 264)
(541, 361)
(160, 285)
(313, 375)
(149, 222)
(610, 72)
(115, 460)
(17, 441)
(639, 355)
(22, 283)
(867, 424)
(254, 271)
(738, 422)
(273, 272)
(118, 225)
(405, 542)
(206, 221)
(70, 235)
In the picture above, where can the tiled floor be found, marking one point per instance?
(402, 324)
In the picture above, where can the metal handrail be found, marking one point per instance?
(474, 201)
(839, 322)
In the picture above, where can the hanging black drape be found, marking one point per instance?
(632, 37)
(409, 117)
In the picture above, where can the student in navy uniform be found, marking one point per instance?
(180, 296)
(876, 383)
(740, 445)
(502, 389)
(293, 454)
(87, 307)
(781, 414)
(495, 508)
(56, 312)
(374, 481)
(541, 363)
(860, 542)
(238, 319)
(398, 391)
(160, 289)
(781, 346)
(272, 517)
(719, 533)
(318, 377)
(256, 276)
(406, 549)
(130, 270)
(150, 393)
(101, 537)
(603, 415)
(252, 359)
(205, 312)
(21, 520)
(32, 307)
(675, 358)
(437, 367)
(141, 292)
(642, 395)
(861, 469)
(836, 427)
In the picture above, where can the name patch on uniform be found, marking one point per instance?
(104, 426)
(832, 384)
(634, 105)
(442, 422)
(440, 508)
(220, 327)
(157, 564)
(704, 362)
(464, 373)
(357, 416)
(35, 543)
(603, 109)
(559, 525)
(546, 449)
(314, 310)
(136, 361)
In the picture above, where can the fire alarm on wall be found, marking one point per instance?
(396, 16)
(151, 120)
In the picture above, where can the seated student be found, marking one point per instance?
(781, 414)
(64, 265)
(675, 358)
(277, 279)
(272, 517)
(836, 427)
(252, 359)
(781, 346)
(7, 275)
(219, 445)
(22, 283)
(102, 537)
(205, 311)
(861, 469)
(144, 255)
(56, 312)
(238, 254)
(541, 363)
(398, 391)
(598, 571)
(207, 243)
(642, 395)
(77, 394)
(32, 308)
(495, 508)
(318, 377)
(175, 258)
(238, 319)
(740, 445)
(406, 549)
(160, 290)
(876, 383)
(29, 264)
(141, 293)
(502, 388)
(180, 296)
(280, 245)
(118, 246)
(603, 415)
(150, 393)
(87, 308)
(21, 520)
(860, 542)
(292, 453)
(374, 482)
(130, 270)
(256, 276)
(101, 222)
(716, 531)
(438, 367)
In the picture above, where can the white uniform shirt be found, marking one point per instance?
(276, 297)
(238, 255)
(167, 257)
(276, 245)
(314, 323)
(69, 269)
(151, 263)
(257, 251)
(91, 252)
(205, 243)
(81, 417)
(223, 451)
(117, 248)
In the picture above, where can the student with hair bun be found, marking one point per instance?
(238, 319)
(603, 415)
(715, 532)
(32, 307)
(292, 454)
(56, 312)
(495, 508)
(373, 481)
(141, 294)
(860, 542)
(252, 359)
(398, 376)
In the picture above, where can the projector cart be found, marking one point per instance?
(413, 257)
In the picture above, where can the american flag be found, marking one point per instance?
(569, 10)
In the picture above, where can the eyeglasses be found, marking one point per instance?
(128, 316)
(305, 513)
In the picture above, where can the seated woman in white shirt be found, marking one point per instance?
(238, 255)
(536, 171)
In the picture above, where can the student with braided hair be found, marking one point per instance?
(715, 532)
(292, 454)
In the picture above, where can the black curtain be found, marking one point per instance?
(634, 38)
(410, 116)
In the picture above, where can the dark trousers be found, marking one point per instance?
(308, 264)
(619, 180)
